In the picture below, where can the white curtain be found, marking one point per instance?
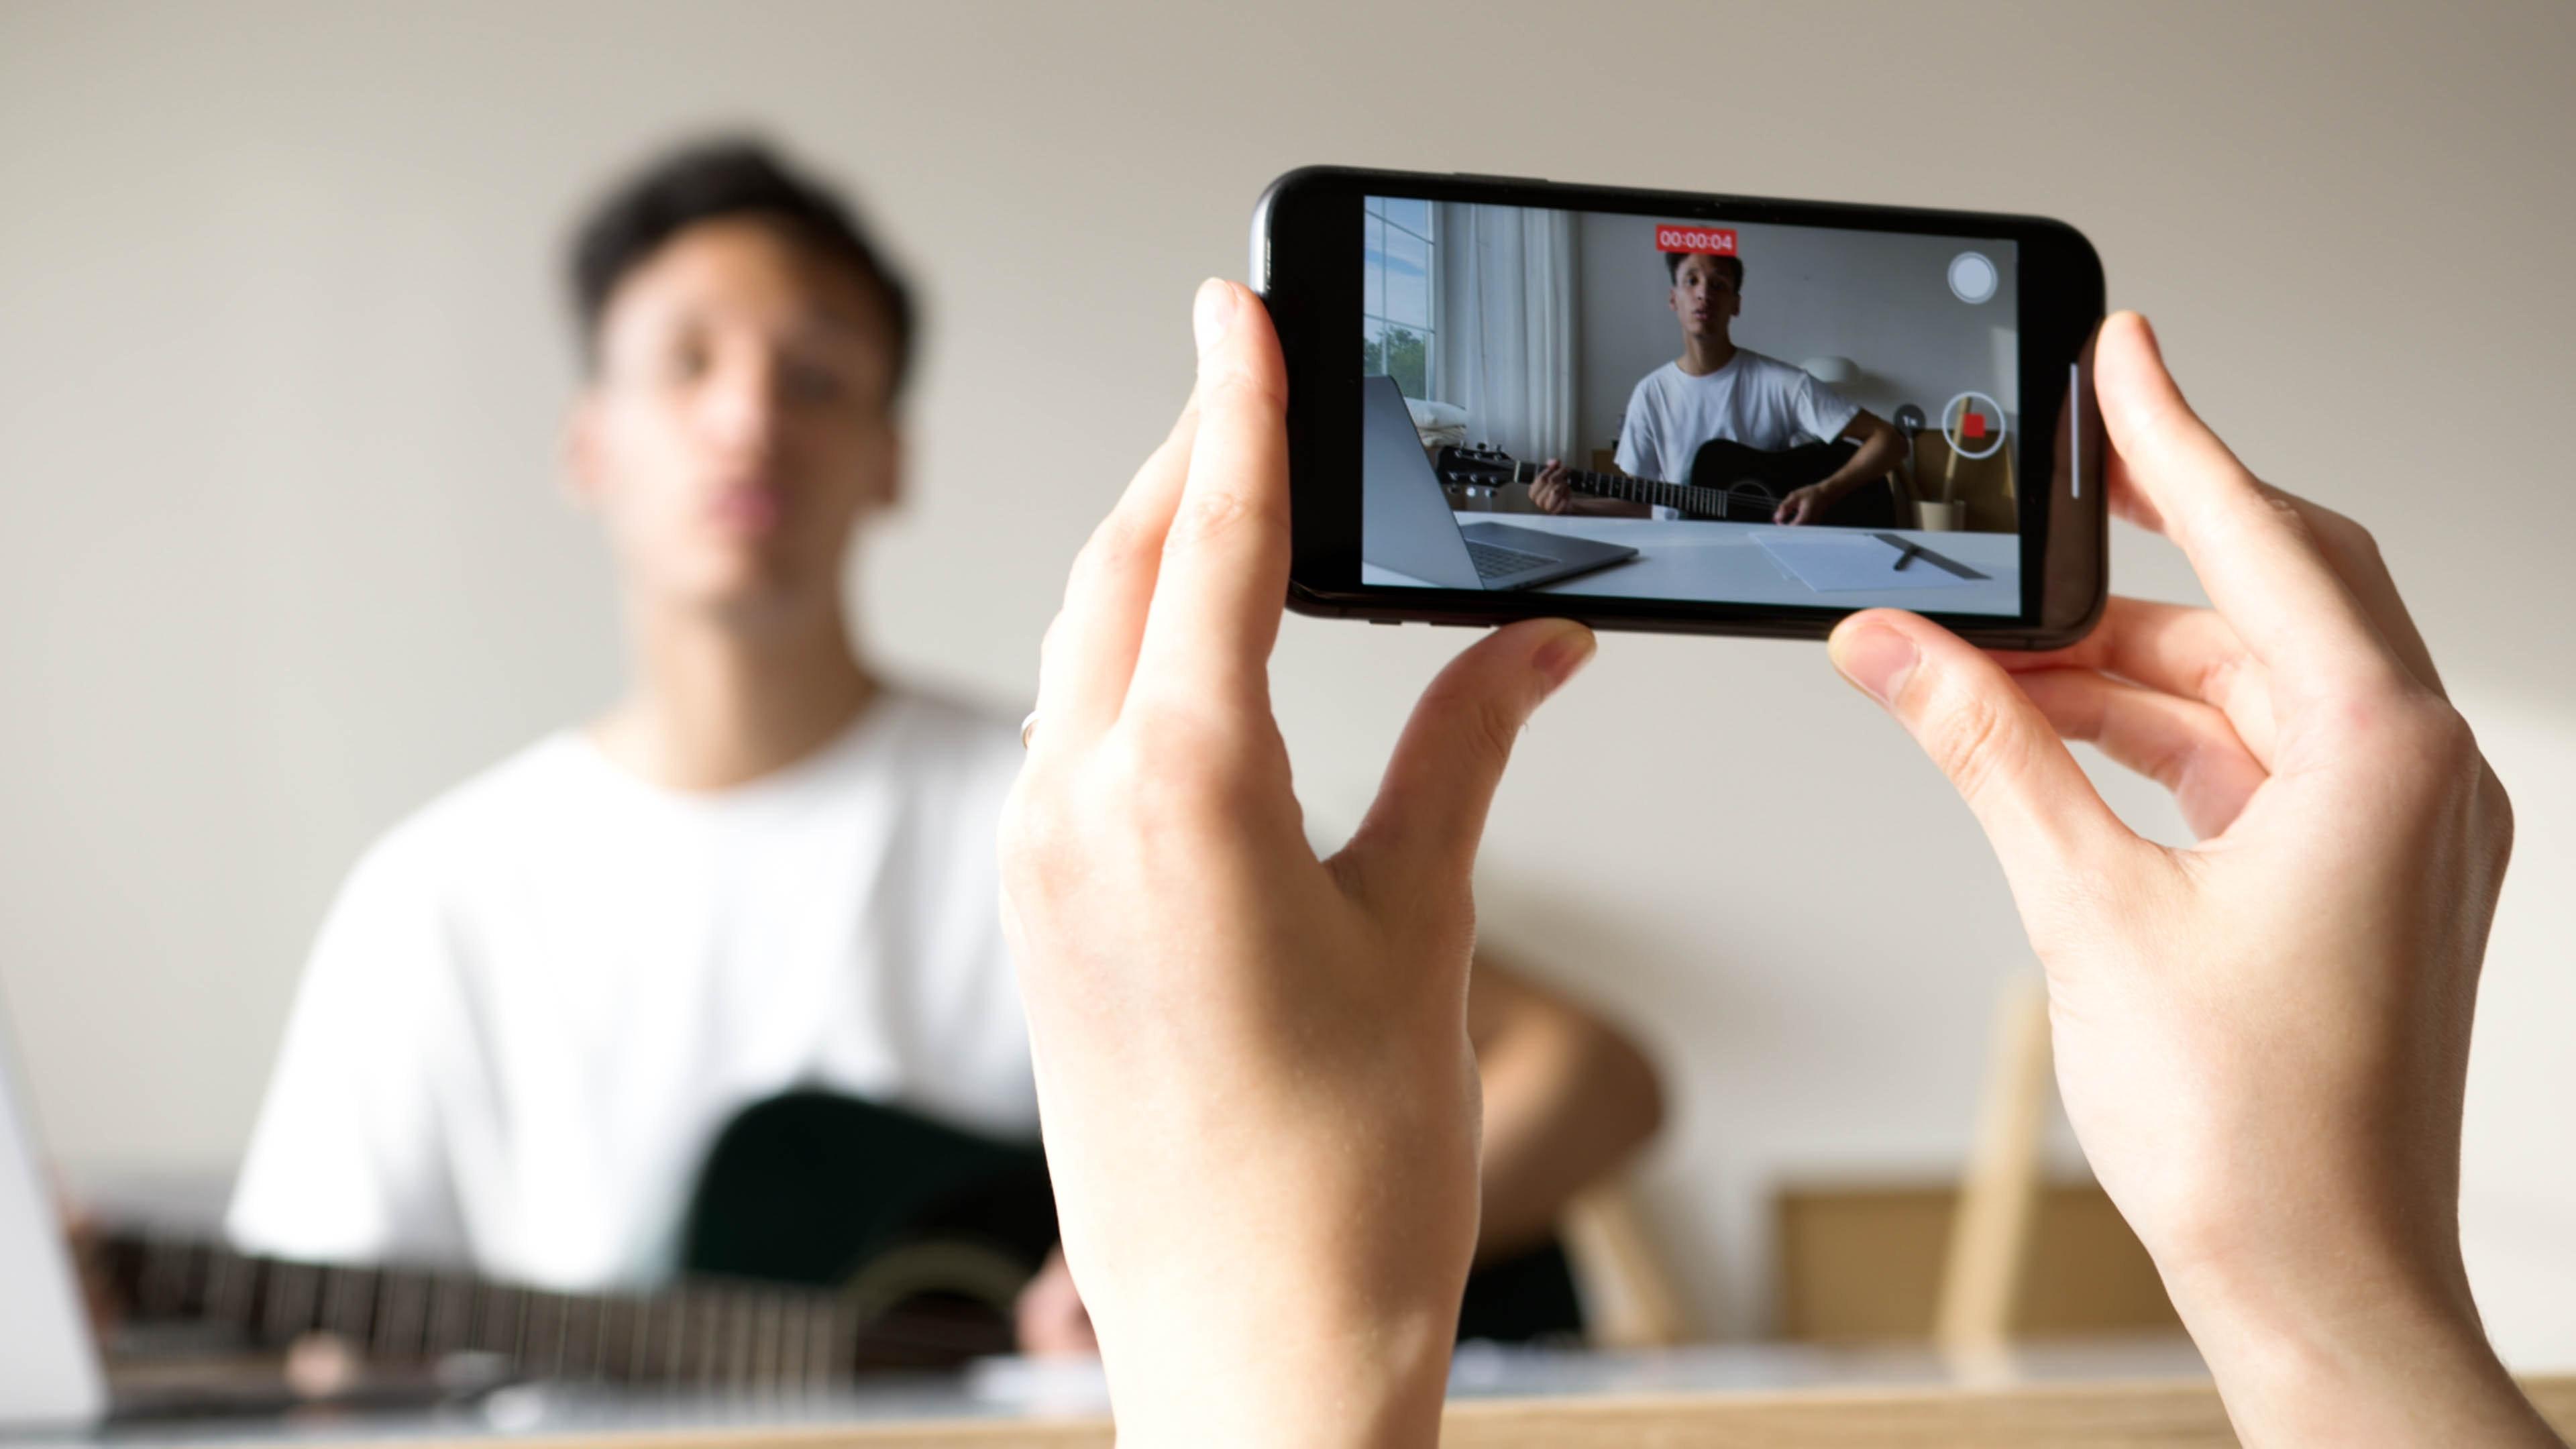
(1505, 344)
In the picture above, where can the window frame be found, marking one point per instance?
(1374, 209)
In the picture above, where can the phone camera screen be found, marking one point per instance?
(1631, 406)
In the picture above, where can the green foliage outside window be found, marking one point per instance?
(1404, 355)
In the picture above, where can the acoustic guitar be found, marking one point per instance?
(1728, 481)
(829, 1238)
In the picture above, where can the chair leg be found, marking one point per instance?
(1628, 1295)
(1999, 1197)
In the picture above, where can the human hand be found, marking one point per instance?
(1806, 505)
(1049, 1315)
(1252, 1065)
(1550, 491)
(2261, 1040)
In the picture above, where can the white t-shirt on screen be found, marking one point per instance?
(1755, 400)
(538, 1000)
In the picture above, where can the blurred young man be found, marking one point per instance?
(539, 1000)
(1716, 389)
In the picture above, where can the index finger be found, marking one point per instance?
(1089, 653)
(2175, 649)
(1224, 574)
(2348, 549)
(2259, 560)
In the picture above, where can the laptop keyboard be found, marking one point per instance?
(1493, 561)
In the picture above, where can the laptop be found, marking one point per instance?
(1406, 524)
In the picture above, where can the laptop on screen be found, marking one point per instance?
(1406, 524)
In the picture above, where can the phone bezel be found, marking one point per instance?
(1306, 263)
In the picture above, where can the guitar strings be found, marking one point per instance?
(325, 1295)
(1620, 485)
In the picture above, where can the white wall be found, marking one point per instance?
(1881, 299)
(281, 360)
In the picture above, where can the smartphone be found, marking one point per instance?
(1683, 412)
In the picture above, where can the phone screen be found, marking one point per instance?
(1633, 406)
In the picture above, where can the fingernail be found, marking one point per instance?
(1876, 659)
(1212, 315)
(1565, 655)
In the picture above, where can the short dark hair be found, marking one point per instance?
(731, 176)
(1734, 266)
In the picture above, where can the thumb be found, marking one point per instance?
(2040, 813)
(1423, 828)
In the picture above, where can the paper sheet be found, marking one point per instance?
(1842, 562)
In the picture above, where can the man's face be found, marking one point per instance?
(738, 428)
(1704, 296)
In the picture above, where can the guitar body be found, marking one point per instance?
(937, 1229)
(910, 1220)
(1726, 466)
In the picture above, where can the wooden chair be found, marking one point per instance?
(2026, 1253)
(1990, 1233)
(2001, 1253)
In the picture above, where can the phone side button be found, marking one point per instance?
(1388, 622)
(1506, 180)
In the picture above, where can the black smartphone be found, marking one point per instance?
(1683, 412)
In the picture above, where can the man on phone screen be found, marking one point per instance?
(1718, 390)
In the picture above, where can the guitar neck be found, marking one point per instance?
(721, 1333)
(1689, 501)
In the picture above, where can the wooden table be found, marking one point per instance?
(2140, 1393)
(2070, 1416)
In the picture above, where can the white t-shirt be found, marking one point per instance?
(537, 1001)
(1755, 400)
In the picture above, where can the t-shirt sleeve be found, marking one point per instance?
(347, 1162)
(1821, 412)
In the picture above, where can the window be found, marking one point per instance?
(1396, 290)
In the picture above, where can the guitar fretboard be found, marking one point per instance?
(710, 1332)
(1691, 502)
